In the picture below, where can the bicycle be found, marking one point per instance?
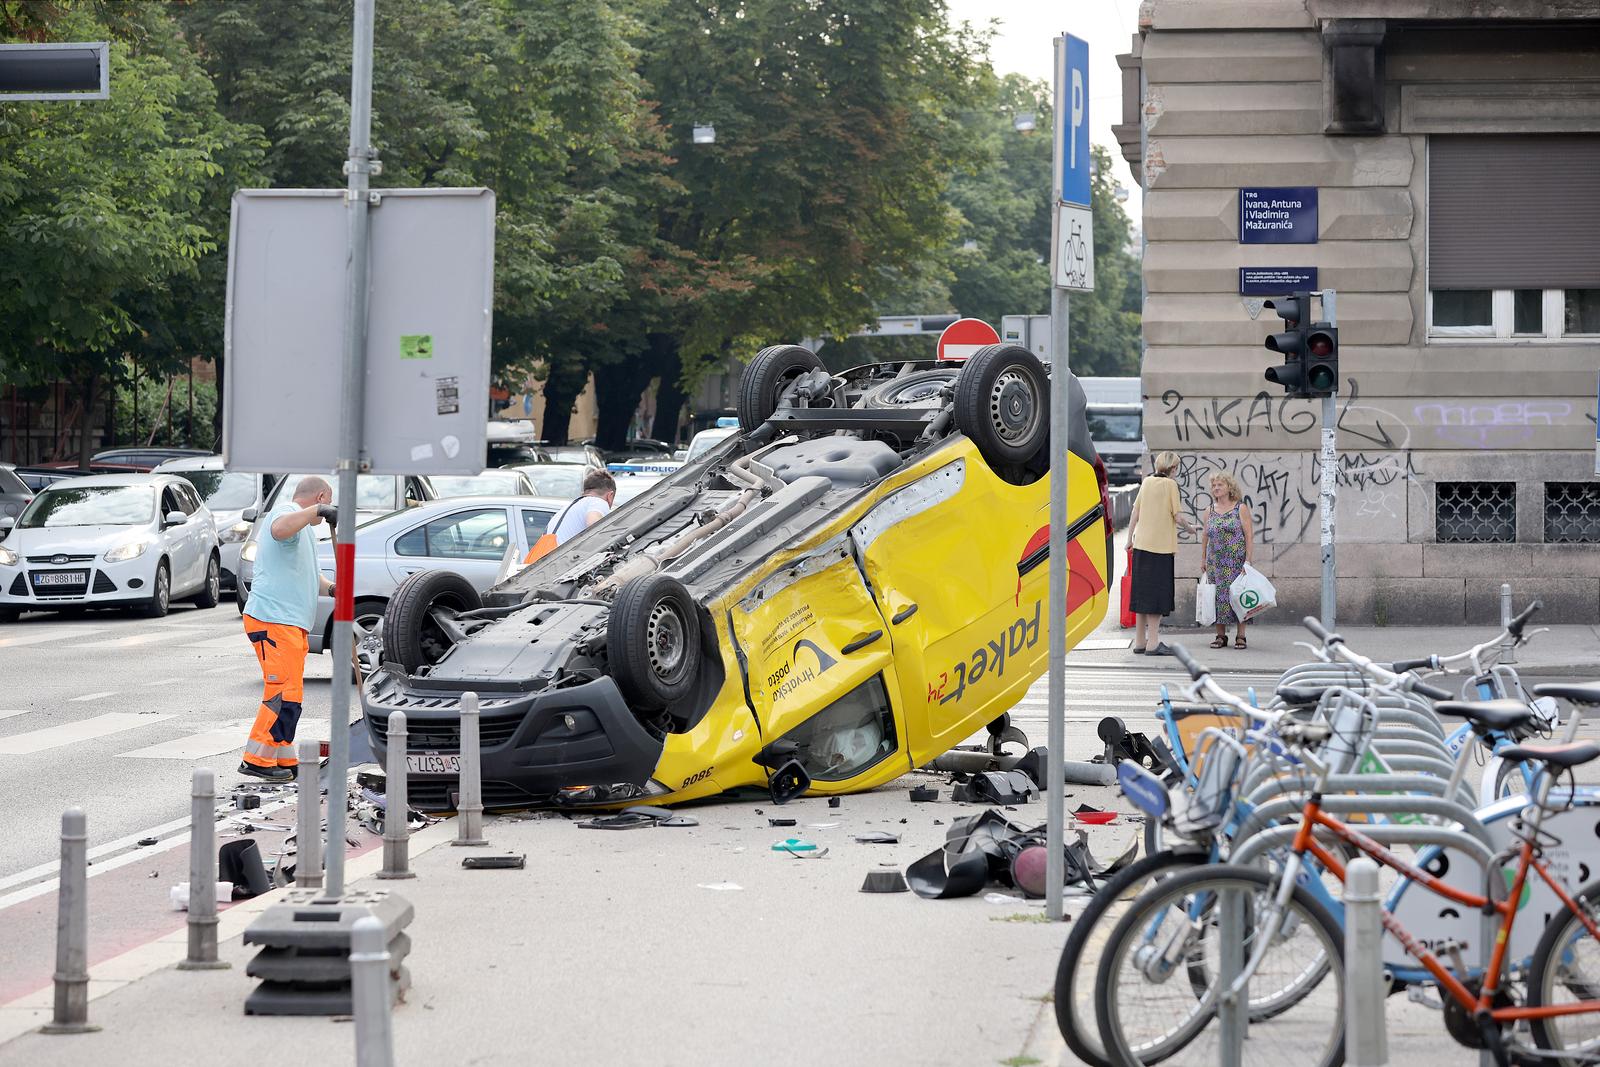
(1290, 917)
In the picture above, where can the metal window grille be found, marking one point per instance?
(1476, 512)
(1572, 512)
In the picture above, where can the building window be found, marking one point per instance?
(1525, 268)
(1475, 512)
(1572, 513)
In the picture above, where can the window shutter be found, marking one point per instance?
(1514, 212)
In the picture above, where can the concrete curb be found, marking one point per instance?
(30, 1012)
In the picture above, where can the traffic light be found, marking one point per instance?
(1322, 361)
(1294, 310)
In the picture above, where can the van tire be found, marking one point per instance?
(411, 637)
(1002, 404)
(765, 379)
(653, 641)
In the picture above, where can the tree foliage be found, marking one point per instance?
(864, 163)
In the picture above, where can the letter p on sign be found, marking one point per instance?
(1072, 101)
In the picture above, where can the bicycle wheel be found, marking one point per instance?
(1075, 973)
(1146, 1010)
(1566, 970)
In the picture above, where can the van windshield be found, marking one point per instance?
(1106, 426)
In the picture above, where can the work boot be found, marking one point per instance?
(271, 774)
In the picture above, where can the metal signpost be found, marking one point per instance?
(1072, 268)
(1329, 481)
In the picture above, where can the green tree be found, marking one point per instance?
(1105, 323)
(108, 220)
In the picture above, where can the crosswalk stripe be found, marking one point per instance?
(194, 746)
(227, 641)
(46, 634)
(84, 730)
(14, 711)
(149, 637)
(101, 695)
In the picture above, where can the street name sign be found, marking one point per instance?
(428, 330)
(963, 337)
(1283, 215)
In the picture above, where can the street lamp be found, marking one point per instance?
(1024, 122)
(705, 134)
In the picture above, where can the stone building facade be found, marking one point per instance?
(1455, 150)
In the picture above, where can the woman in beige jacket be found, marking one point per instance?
(1153, 533)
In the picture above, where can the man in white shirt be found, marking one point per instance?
(599, 493)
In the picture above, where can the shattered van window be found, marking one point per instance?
(848, 736)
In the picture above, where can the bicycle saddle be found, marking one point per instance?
(1576, 692)
(1564, 757)
(1504, 714)
(1300, 696)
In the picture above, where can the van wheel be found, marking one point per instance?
(653, 641)
(1002, 404)
(420, 622)
(767, 377)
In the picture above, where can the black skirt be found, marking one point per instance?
(1152, 583)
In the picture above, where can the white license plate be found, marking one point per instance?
(59, 578)
(433, 763)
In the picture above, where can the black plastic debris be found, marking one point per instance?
(878, 837)
(986, 847)
(239, 862)
(514, 861)
(884, 882)
(924, 794)
(146, 841)
(780, 822)
(635, 817)
(248, 801)
(997, 787)
(833, 802)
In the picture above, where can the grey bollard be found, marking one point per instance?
(1365, 1031)
(396, 804)
(1510, 653)
(308, 831)
(203, 874)
(469, 809)
(369, 993)
(72, 930)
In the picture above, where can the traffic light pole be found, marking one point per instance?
(1329, 480)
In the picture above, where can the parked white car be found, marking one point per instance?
(467, 535)
(227, 495)
(496, 481)
(563, 480)
(110, 540)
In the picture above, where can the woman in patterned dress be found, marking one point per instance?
(1225, 547)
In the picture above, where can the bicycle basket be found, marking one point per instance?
(1214, 772)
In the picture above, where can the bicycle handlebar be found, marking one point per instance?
(1319, 631)
(1432, 692)
(1514, 627)
(1196, 671)
(1401, 666)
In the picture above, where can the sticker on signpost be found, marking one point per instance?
(416, 346)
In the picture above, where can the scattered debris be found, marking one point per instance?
(514, 861)
(985, 847)
(637, 816)
(1000, 898)
(884, 882)
(145, 841)
(178, 895)
(719, 886)
(923, 794)
(878, 837)
(780, 822)
(821, 825)
(833, 802)
(239, 864)
(996, 787)
(247, 801)
(794, 844)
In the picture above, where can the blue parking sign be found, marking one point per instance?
(1072, 119)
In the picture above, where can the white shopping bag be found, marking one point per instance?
(1205, 602)
(1252, 594)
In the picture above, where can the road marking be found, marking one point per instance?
(94, 696)
(45, 634)
(16, 711)
(114, 722)
(149, 637)
(195, 746)
(229, 641)
(222, 670)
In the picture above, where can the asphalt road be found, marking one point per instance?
(111, 713)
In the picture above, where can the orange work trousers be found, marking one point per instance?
(281, 650)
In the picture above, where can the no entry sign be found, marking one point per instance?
(963, 337)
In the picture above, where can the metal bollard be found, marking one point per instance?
(369, 992)
(72, 930)
(469, 809)
(203, 875)
(396, 804)
(1510, 653)
(308, 831)
(1365, 1031)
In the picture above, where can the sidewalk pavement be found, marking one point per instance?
(672, 946)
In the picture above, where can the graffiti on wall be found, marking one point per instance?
(1224, 419)
(1484, 424)
(1282, 491)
